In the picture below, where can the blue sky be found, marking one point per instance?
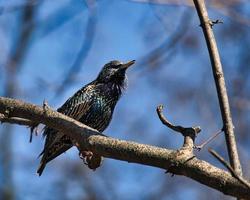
(124, 31)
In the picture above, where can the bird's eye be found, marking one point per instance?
(117, 66)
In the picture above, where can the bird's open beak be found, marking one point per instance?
(127, 65)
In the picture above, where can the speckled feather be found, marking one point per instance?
(92, 105)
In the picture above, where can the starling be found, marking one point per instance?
(93, 105)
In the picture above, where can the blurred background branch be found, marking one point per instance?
(69, 76)
(13, 67)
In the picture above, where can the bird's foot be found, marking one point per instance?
(84, 154)
(170, 169)
(91, 159)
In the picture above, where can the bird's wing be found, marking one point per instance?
(74, 107)
(79, 103)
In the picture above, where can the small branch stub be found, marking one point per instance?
(34, 127)
(188, 133)
(212, 22)
(46, 106)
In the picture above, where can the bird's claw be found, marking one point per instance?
(91, 159)
(169, 170)
(86, 156)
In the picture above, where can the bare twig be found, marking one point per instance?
(213, 22)
(15, 120)
(199, 147)
(220, 85)
(91, 139)
(179, 129)
(167, 46)
(20, 121)
(225, 7)
(228, 166)
(34, 126)
(217, 21)
(189, 133)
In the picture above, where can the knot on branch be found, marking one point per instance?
(46, 107)
(8, 111)
(188, 133)
(219, 75)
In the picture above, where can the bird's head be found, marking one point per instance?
(114, 72)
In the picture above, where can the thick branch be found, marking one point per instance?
(178, 162)
(220, 85)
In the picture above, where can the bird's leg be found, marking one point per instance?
(84, 154)
(91, 159)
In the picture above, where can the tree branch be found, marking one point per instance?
(220, 85)
(227, 165)
(179, 162)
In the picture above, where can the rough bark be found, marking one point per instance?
(180, 162)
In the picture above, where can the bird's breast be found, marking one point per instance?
(99, 114)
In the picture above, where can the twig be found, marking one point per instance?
(220, 85)
(189, 133)
(20, 121)
(34, 127)
(168, 45)
(227, 165)
(199, 147)
(15, 120)
(217, 21)
(213, 22)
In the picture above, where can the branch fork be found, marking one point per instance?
(220, 84)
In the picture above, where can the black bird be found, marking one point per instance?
(92, 105)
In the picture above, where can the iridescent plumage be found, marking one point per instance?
(92, 105)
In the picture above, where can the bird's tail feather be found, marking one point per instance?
(41, 153)
(50, 154)
(41, 167)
